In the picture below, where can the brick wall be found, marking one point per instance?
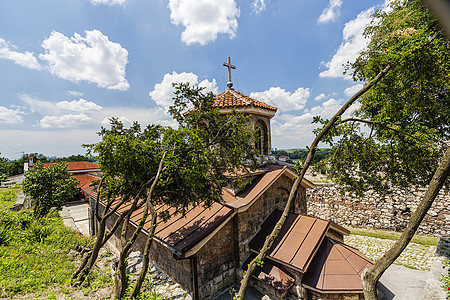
(372, 211)
(249, 221)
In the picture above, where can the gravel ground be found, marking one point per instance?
(415, 256)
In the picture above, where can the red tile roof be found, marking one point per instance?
(336, 267)
(298, 241)
(77, 165)
(84, 180)
(231, 98)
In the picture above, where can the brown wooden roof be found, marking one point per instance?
(298, 241)
(336, 267)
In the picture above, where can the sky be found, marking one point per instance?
(67, 66)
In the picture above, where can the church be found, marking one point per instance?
(207, 250)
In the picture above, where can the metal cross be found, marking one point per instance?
(229, 66)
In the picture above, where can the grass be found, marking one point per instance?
(37, 256)
(425, 240)
(8, 196)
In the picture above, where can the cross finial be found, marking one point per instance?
(229, 66)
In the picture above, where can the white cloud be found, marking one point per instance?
(259, 6)
(284, 100)
(350, 91)
(143, 116)
(75, 93)
(78, 105)
(108, 2)
(353, 42)
(25, 59)
(331, 12)
(10, 116)
(93, 58)
(163, 92)
(320, 97)
(204, 20)
(64, 121)
(37, 105)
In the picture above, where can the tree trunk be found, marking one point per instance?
(146, 254)
(294, 190)
(371, 276)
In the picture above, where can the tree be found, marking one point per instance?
(48, 187)
(405, 104)
(162, 165)
(3, 169)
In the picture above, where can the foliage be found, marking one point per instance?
(8, 196)
(398, 134)
(301, 154)
(30, 266)
(446, 278)
(199, 153)
(3, 169)
(48, 187)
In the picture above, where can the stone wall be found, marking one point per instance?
(373, 211)
(249, 221)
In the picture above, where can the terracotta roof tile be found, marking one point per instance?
(84, 180)
(77, 165)
(231, 98)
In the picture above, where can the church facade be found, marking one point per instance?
(207, 250)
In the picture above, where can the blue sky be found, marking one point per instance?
(66, 66)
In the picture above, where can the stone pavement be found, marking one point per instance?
(75, 216)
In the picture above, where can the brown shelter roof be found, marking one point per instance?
(259, 185)
(180, 232)
(336, 267)
(298, 241)
(272, 275)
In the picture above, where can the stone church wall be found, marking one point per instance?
(250, 221)
(372, 211)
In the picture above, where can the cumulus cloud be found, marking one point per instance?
(204, 20)
(93, 58)
(284, 100)
(37, 105)
(259, 6)
(108, 2)
(320, 97)
(331, 12)
(24, 59)
(163, 92)
(10, 116)
(75, 93)
(78, 105)
(350, 91)
(353, 42)
(64, 121)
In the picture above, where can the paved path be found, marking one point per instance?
(75, 216)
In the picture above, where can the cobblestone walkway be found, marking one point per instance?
(415, 256)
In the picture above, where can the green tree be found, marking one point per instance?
(162, 165)
(3, 169)
(405, 110)
(48, 187)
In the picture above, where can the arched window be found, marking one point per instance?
(262, 137)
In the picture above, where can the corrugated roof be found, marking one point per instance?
(231, 98)
(77, 165)
(298, 241)
(336, 267)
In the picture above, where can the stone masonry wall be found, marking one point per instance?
(372, 211)
(249, 221)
